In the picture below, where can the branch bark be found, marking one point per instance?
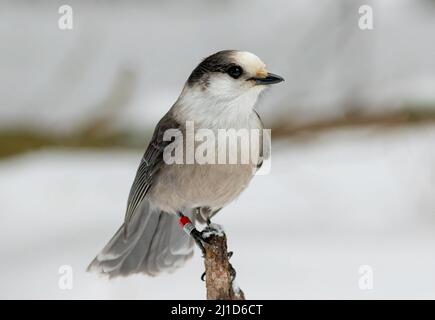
(350, 120)
(218, 270)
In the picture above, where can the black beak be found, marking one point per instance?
(269, 79)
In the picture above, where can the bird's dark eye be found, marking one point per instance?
(235, 71)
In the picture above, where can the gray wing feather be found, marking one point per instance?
(149, 166)
(154, 244)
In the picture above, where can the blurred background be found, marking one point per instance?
(353, 159)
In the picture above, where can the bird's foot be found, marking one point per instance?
(199, 240)
(190, 229)
(202, 237)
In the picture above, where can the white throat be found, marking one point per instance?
(213, 112)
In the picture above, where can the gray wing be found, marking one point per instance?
(149, 166)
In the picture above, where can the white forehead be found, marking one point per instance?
(250, 62)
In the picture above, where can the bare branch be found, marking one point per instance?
(218, 270)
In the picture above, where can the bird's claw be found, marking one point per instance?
(200, 240)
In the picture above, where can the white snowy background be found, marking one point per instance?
(332, 202)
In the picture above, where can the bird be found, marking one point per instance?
(221, 93)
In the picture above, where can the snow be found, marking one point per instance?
(236, 288)
(330, 205)
(213, 229)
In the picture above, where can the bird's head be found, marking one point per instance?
(229, 74)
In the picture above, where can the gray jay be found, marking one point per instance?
(220, 93)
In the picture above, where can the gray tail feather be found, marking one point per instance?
(154, 243)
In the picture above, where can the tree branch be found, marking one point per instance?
(218, 270)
